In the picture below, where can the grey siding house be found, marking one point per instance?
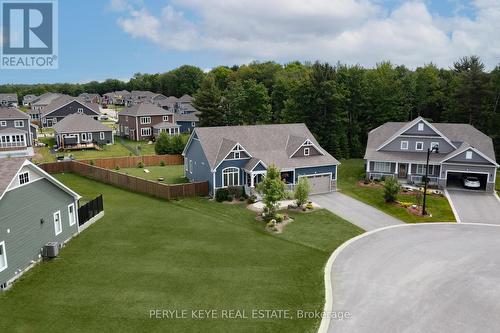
(8, 100)
(77, 130)
(16, 133)
(240, 155)
(399, 150)
(64, 106)
(50, 216)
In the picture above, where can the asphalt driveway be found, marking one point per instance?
(419, 278)
(354, 211)
(475, 207)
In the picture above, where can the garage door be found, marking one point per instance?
(319, 184)
(454, 180)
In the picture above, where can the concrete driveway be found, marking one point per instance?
(354, 211)
(475, 207)
(417, 278)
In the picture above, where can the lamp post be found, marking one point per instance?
(434, 149)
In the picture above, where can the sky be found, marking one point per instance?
(101, 39)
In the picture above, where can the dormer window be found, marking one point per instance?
(306, 151)
(237, 152)
(420, 127)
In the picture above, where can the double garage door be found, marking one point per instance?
(319, 183)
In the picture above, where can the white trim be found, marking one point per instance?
(191, 137)
(416, 145)
(224, 159)
(265, 166)
(4, 254)
(330, 178)
(146, 118)
(102, 136)
(466, 172)
(232, 173)
(407, 145)
(308, 150)
(60, 222)
(307, 142)
(420, 127)
(477, 151)
(72, 205)
(22, 174)
(410, 125)
(146, 135)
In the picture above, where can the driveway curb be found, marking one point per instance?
(453, 209)
(327, 309)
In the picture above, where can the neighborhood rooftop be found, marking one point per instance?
(63, 100)
(79, 123)
(144, 109)
(12, 113)
(8, 169)
(270, 143)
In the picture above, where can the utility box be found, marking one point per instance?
(50, 250)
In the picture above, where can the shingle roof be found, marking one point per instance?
(80, 123)
(12, 130)
(165, 124)
(45, 98)
(8, 169)
(11, 97)
(265, 142)
(144, 109)
(12, 113)
(186, 117)
(63, 100)
(185, 99)
(457, 133)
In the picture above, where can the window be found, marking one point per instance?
(3, 123)
(3, 257)
(71, 214)
(84, 136)
(24, 178)
(419, 145)
(80, 110)
(190, 166)
(404, 145)
(420, 127)
(145, 120)
(230, 177)
(193, 124)
(306, 151)
(146, 131)
(434, 144)
(237, 152)
(165, 118)
(186, 165)
(57, 222)
(421, 169)
(18, 123)
(382, 167)
(126, 130)
(237, 155)
(468, 155)
(102, 136)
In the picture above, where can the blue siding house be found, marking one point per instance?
(187, 122)
(240, 155)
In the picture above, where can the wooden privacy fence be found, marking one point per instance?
(132, 161)
(127, 182)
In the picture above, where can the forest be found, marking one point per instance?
(339, 103)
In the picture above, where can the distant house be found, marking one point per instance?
(399, 150)
(116, 97)
(185, 99)
(80, 130)
(158, 97)
(35, 209)
(90, 98)
(186, 108)
(139, 96)
(42, 101)
(27, 99)
(186, 122)
(169, 103)
(16, 133)
(8, 100)
(64, 106)
(137, 122)
(240, 155)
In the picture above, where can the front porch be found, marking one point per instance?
(403, 172)
(253, 178)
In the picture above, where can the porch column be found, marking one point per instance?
(367, 167)
(251, 179)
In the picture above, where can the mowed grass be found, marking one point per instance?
(181, 255)
(351, 171)
(172, 174)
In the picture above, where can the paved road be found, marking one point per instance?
(475, 207)
(354, 211)
(419, 278)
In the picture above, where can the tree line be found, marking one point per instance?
(339, 103)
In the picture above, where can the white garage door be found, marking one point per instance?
(319, 183)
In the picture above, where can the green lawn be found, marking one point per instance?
(173, 174)
(186, 254)
(351, 171)
(143, 147)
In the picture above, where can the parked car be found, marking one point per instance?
(103, 117)
(471, 182)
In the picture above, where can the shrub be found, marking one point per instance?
(391, 189)
(91, 162)
(117, 168)
(140, 165)
(302, 191)
(221, 195)
(280, 217)
(310, 206)
(362, 176)
(235, 191)
(230, 197)
(273, 189)
(177, 144)
(251, 199)
(163, 144)
(162, 163)
(382, 179)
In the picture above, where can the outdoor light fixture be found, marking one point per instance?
(434, 149)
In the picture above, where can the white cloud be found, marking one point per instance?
(351, 31)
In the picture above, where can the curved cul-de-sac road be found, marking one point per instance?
(417, 278)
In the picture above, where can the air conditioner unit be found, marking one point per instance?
(50, 250)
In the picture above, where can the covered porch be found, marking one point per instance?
(13, 139)
(252, 178)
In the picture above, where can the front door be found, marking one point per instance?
(402, 172)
